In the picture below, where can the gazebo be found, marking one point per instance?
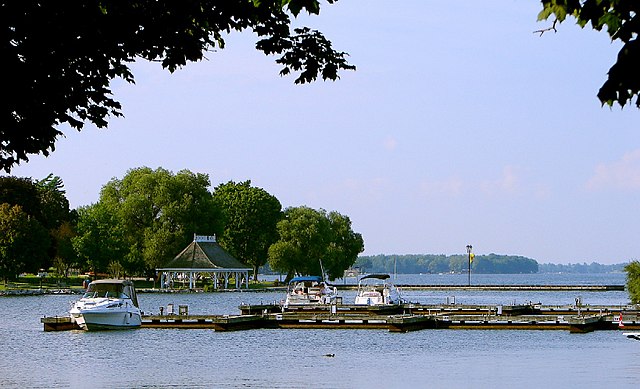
(204, 255)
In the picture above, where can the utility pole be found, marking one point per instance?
(469, 248)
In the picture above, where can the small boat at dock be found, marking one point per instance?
(107, 304)
(376, 289)
(309, 290)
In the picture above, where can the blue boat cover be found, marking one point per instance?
(305, 279)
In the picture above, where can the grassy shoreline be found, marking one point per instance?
(56, 285)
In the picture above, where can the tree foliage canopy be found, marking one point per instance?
(633, 281)
(99, 237)
(250, 216)
(61, 56)
(54, 202)
(45, 202)
(21, 191)
(159, 212)
(621, 19)
(310, 239)
(23, 242)
(343, 247)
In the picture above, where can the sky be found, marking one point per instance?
(460, 126)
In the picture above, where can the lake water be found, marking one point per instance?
(165, 358)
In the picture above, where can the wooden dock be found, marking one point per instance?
(397, 318)
(214, 322)
(502, 287)
(58, 323)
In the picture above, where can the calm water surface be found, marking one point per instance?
(148, 358)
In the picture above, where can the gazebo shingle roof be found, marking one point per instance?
(205, 255)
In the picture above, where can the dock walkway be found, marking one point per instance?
(397, 318)
(502, 287)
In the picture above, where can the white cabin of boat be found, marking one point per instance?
(375, 289)
(112, 288)
(309, 290)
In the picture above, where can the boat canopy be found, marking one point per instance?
(112, 288)
(378, 276)
(306, 279)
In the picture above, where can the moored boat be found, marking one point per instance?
(107, 304)
(375, 289)
(309, 290)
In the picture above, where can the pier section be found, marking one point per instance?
(396, 318)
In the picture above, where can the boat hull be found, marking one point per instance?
(102, 314)
(92, 320)
(364, 300)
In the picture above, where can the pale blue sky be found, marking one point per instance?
(460, 126)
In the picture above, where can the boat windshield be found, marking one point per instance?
(372, 284)
(105, 290)
(309, 287)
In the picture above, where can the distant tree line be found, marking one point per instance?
(592, 267)
(146, 218)
(433, 263)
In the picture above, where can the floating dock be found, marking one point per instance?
(397, 318)
(556, 287)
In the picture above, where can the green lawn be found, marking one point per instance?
(75, 282)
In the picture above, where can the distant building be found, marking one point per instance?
(352, 272)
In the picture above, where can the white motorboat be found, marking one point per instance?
(375, 289)
(309, 290)
(107, 304)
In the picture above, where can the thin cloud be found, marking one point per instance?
(507, 183)
(372, 189)
(620, 175)
(451, 187)
(390, 144)
(542, 192)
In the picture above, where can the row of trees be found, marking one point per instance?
(144, 219)
(582, 268)
(428, 263)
